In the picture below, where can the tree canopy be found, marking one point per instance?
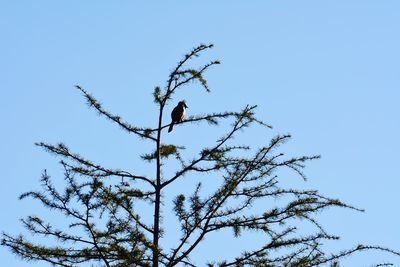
(104, 226)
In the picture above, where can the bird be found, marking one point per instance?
(177, 114)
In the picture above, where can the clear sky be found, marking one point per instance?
(325, 71)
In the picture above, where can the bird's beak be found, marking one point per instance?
(186, 106)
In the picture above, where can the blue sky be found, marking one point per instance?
(325, 71)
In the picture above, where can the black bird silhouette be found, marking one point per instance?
(177, 114)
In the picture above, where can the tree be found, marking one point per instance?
(105, 228)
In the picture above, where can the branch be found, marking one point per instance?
(239, 124)
(92, 102)
(359, 248)
(212, 118)
(239, 175)
(172, 77)
(62, 150)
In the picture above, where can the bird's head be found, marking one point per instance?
(183, 103)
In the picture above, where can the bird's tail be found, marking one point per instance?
(171, 126)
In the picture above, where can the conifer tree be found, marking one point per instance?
(106, 229)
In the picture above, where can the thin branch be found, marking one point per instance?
(62, 150)
(92, 102)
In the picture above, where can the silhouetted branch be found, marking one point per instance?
(96, 170)
(173, 75)
(349, 252)
(238, 124)
(213, 119)
(92, 102)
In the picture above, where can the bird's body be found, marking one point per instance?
(177, 114)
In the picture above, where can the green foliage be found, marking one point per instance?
(165, 152)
